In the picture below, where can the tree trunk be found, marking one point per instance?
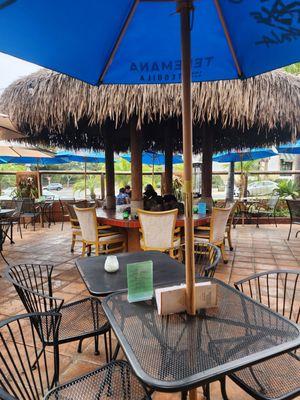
(297, 168)
(136, 146)
(109, 172)
(230, 183)
(207, 149)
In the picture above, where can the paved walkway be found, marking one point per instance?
(255, 250)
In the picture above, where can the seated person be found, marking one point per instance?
(122, 198)
(128, 190)
(149, 192)
(154, 204)
(170, 203)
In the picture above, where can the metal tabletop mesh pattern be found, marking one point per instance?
(175, 347)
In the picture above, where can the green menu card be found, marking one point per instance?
(140, 281)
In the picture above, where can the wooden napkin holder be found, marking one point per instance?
(172, 299)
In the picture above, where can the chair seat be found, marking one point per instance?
(82, 318)
(117, 236)
(176, 242)
(275, 378)
(201, 239)
(114, 381)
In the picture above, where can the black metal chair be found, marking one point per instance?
(28, 209)
(264, 209)
(114, 381)
(277, 378)
(207, 257)
(294, 209)
(80, 319)
(24, 375)
(63, 209)
(4, 228)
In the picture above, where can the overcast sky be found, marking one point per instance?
(12, 68)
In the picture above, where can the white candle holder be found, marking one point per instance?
(111, 264)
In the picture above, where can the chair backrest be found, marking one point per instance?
(20, 344)
(272, 203)
(218, 222)
(18, 204)
(207, 257)
(294, 209)
(234, 207)
(158, 228)
(28, 206)
(71, 211)
(87, 219)
(34, 287)
(5, 225)
(277, 289)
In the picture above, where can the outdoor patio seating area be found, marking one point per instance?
(255, 250)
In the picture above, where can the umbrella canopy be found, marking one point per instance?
(245, 155)
(34, 160)
(7, 129)
(80, 156)
(11, 152)
(133, 41)
(290, 148)
(153, 158)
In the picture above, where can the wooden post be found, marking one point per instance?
(136, 167)
(109, 172)
(184, 8)
(102, 186)
(168, 162)
(207, 154)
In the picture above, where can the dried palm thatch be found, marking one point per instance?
(50, 106)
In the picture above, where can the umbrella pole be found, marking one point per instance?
(184, 7)
(38, 180)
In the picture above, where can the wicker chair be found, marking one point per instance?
(159, 233)
(230, 223)
(4, 228)
(102, 238)
(30, 210)
(23, 375)
(277, 378)
(80, 319)
(114, 381)
(294, 209)
(215, 233)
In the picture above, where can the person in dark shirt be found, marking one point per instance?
(128, 190)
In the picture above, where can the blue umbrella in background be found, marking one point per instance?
(240, 156)
(245, 155)
(137, 42)
(290, 148)
(82, 156)
(154, 158)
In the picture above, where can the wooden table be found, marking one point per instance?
(131, 226)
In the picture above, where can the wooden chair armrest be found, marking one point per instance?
(104, 227)
(203, 228)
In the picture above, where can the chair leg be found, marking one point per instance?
(4, 257)
(206, 391)
(229, 240)
(19, 225)
(223, 252)
(83, 249)
(297, 234)
(73, 243)
(97, 352)
(62, 223)
(223, 388)
(97, 249)
(274, 216)
(290, 231)
(79, 348)
(184, 395)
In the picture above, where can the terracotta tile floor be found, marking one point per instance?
(255, 250)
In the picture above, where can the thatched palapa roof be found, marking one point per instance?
(58, 110)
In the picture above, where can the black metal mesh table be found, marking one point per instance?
(100, 283)
(179, 352)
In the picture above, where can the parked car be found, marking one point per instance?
(53, 186)
(261, 188)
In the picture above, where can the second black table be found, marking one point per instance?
(101, 283)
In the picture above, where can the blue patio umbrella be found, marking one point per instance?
(245, 155)
(132, 41)
(82, 156)
(290, 148)
(154, 158)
